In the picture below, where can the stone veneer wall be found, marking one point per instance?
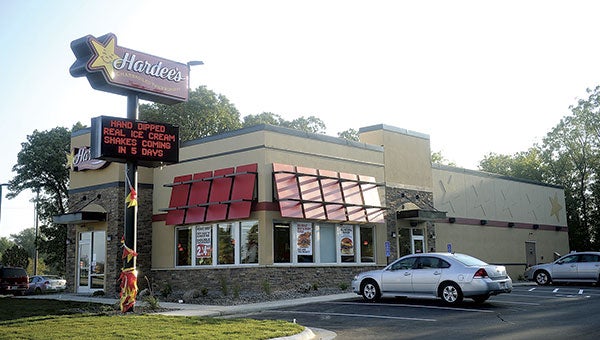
(113, 200)
(395, 198)
(255, 279)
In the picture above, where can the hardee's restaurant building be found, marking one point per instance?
(267, 205)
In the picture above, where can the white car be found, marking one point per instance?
(573, 267)
(39, 284)
(448, 276)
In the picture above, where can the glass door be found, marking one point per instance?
(418, 241)
(92, 261)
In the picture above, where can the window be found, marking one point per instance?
(367, 247)
(234, 243)
(249, 242)
(307, 242)
(404, 264)
(184, 245)
(281, 243)
(304, 241)
(226, 244)
(204, 248)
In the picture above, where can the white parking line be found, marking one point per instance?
(415, 306)
(580, 291)
(358, 315)
(532, 289)
(555, 290)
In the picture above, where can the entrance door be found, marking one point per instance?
(417, 241)
(92, 261)
(530, 256)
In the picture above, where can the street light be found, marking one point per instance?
(189, 65)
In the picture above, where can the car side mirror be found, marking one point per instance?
(559, 262)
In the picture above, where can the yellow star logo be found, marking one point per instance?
(70, 159)
(555, 206)
(104, 55)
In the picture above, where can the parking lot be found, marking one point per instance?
(529, 312)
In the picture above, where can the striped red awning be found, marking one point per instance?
(327, 195)
(212, 195)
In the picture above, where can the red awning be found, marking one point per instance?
(327, 195)
(212, 196)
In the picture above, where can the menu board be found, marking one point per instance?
(347, 240)
(304, 238)
(203, 242)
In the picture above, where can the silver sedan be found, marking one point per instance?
(448, 276)
(573, 267)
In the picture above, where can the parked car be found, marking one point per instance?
(448, 276)
(573, 267)
(46, 283)
(13, 280)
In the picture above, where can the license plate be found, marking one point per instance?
(502, 285)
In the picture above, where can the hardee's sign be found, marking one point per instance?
(120, 70)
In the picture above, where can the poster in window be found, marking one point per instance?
(347, 240)
(203, 242)
(304, 235)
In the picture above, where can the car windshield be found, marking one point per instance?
(469, 260)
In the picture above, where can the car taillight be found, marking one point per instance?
(480, 274)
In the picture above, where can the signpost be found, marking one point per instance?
(137, 75)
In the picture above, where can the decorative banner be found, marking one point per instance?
(347, 240)
(131, 199)
(304, 237)
(129, 289)
(116, 69)
(203, 242)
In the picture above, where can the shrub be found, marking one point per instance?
(266, 287)
(344, 286)
(166, 290)
(224, 287)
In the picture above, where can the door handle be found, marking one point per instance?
(406, 273)
(437, 273)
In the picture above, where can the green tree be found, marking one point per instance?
(527, 165)
(204, 114)
(26, 240)
(349, 134)
(438, 158)
(5, 243)
(310, 124)
(41, 168)
(15, 256)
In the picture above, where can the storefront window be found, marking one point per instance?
(346, 243)
(366, 244)
(183, 242)
(204, 247)
(249, 242)
(304, 241)
(281, 243)
(226, 244)
(327, 239)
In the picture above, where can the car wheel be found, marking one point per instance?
(542, 278)
(370, 291)
(451, 293)
(480, 298)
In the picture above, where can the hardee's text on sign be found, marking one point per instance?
(119, 140)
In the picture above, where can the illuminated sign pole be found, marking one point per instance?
(113, 68)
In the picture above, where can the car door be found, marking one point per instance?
(398, 277)
(426, 275)
(588, 267)
(565, 268)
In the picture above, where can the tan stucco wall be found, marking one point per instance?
(407, 155)
(263, 147)
(475, 196)
(479, 195)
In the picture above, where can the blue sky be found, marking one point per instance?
(477, 76)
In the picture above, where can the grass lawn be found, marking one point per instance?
(52, 319)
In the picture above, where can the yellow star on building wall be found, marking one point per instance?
(70, 159)
(555, 207)
(104, 55)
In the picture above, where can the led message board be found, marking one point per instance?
(149, 144)
(116, 69)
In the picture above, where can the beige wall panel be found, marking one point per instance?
(407, 156)
(478, 195)
(501, 245)
(163, 243)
